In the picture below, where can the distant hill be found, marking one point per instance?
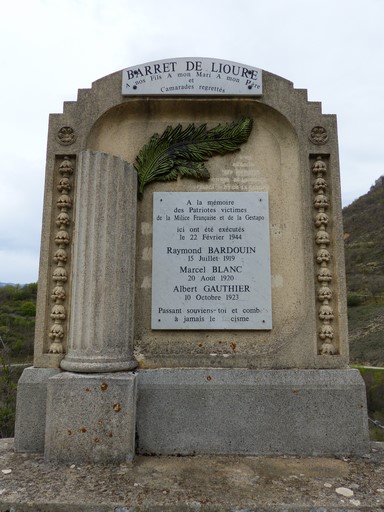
(364, 260)
(364, 242)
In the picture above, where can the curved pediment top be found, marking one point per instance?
(192, 76)
(196, 79)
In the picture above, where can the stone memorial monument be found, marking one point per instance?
(191, 291)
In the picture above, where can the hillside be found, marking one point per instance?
(17, 319)
(364, 242)
(364, 259)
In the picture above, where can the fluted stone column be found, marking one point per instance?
(103, 279)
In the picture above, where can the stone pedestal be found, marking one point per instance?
(91, 418)
(102, 307)
(251, 412)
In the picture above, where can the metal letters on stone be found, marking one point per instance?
(211, 264)
(192, 76)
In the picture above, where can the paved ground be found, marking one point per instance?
(198, 484)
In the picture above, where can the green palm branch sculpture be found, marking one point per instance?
(179, 152)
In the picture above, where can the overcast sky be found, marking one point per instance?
(51, 48)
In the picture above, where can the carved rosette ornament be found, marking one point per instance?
(323, 258)
(60, 258)
(66, 136)
(318, 135)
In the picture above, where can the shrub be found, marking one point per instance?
(28, 308)
(7, 397)
(353, 300)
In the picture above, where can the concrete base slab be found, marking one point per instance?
(30, 409)
(193, 484)
(91, 418)
(251, 412)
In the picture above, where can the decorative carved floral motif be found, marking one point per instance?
(323, 257)
(60, 258)
(318, 135)
(66, 136)
(64, 185)
(60, 255)
(321, 220)
(326, 313)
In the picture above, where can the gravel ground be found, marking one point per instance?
(198, 484)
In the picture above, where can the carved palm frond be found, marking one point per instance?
(179, 152)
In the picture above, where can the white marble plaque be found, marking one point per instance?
(192, 76)
(211, 265)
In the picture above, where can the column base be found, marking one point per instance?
(91, 418)
(91, 366)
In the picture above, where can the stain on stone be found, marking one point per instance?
(83, 430)
(117, 407)
(104, 386)
(209, 378)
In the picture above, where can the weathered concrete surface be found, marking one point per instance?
(251, 412)
(277, 158)
(199, 484)
(91, 417)
(31, 407)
